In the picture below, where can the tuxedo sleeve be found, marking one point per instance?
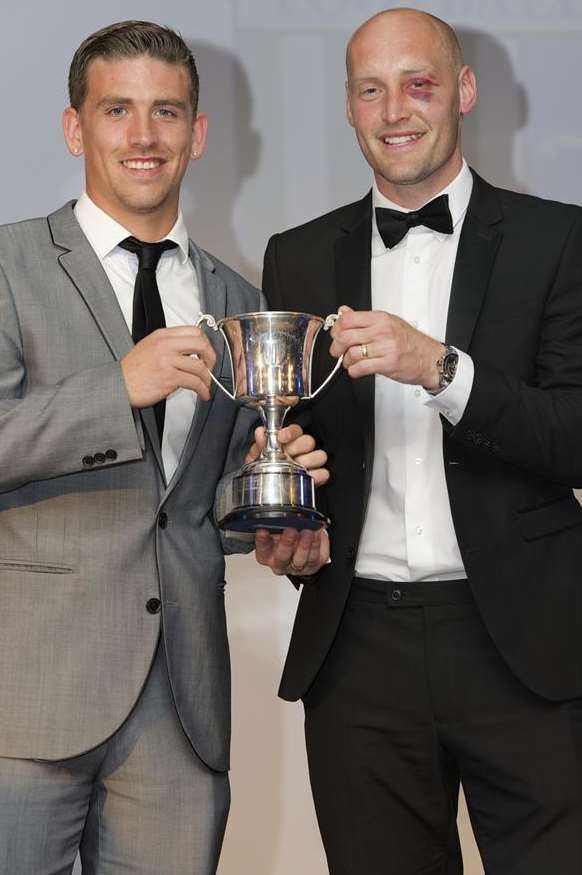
(55, 429)
(536, 423)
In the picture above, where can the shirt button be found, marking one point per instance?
(163, 520)
(416, 259)
(418, 461)
(417, 393)
(419, 530)
(153, 606)
(414, 323)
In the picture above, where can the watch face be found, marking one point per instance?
(450, 362)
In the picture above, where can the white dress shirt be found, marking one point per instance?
(179, 292)
(408, 532)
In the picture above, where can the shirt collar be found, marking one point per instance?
(459, 192)
(105, 234)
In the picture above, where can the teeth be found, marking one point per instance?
(398, 141)
(141, 165)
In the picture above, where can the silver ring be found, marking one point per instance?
(295, 569)
(364, 349)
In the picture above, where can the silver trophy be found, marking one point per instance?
(270, 355)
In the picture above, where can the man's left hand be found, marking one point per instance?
(376, 342)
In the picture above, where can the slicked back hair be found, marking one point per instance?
(131, 39)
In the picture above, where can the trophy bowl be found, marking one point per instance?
(270, 355)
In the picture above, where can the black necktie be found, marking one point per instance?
(148, 313)
(393, 225)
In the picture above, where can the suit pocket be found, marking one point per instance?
(38, 567)
(565, 513)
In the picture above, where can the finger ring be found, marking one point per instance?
(364, 349)
(295, 569)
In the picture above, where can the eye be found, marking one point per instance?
(370, 91)
(421, 84)
(165, 112)
(116, 111)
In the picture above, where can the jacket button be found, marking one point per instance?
(111, 454)
(88, 461)
(99, 458)
(153, 606)
(163, 520)
(396, 595)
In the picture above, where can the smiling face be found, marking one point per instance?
(137, 131)
(405, 98)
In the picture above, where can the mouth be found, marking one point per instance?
(143, 165)
(401, 139)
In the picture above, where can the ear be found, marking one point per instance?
(199, 132)
(72, 131)
(348, 105)
(467, 90)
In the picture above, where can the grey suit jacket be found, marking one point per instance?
(89, 530)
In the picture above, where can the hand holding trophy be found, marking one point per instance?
(270, 354)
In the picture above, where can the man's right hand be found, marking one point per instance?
(166, 360)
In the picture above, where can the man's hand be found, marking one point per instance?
(299, 447)
(291, 551)
(166, 360)
(394, 347)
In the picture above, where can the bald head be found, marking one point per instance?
(392, 20)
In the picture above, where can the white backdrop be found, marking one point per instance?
(280, 152)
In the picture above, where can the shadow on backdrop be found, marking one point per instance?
(490, 131)
(212, 185)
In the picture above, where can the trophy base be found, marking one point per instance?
(275, 519)
(270, 495)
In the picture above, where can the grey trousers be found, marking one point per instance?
(141, 803)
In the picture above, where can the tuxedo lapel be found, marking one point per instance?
(353, 280)
(354, 288)
(478, 247)
(212, 301)
(85, 271)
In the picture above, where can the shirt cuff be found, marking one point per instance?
(451, 402)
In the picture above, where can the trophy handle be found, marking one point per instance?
(212, 323)
(329, 323)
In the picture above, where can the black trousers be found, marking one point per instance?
(414, 695)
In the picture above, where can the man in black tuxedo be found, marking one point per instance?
(444, 639)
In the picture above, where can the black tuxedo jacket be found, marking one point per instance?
(512, 460)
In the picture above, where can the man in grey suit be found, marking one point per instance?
(114, 692)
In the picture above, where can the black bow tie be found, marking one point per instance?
(394, 225)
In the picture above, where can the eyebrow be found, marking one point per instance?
(409, 71)
(111, 99)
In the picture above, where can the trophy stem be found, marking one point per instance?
(273, 414)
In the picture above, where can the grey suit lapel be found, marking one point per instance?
(213, 301)
(475, 259)
(85, 271)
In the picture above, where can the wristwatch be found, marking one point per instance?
(447, 367)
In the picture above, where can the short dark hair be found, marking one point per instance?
(131, 39)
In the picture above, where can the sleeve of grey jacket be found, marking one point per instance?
(47, 430)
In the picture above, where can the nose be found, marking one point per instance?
(143, 130)
(394, 108)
